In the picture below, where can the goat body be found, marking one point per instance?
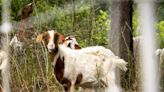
(94, 70)
(100, 51)
(74, 67)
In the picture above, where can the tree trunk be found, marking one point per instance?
(121, 42)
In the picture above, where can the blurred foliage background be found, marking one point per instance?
(91, 24)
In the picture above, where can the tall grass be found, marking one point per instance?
(32, 71)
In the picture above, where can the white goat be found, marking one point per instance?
(100, 51)
(74, 67)
(71, 42)
(160, 54)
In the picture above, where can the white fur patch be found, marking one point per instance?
(51, 44)
(3, 57)
(16, 43)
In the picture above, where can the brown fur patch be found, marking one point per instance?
(56, 38)
(1, 89)
(79, 79)
(77, 46)
(66, 84)
(46, 38)
(26, 11)
(59, 73)
(59, 70)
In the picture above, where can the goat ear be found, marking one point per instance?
(75, 36)
(62, 38)
(39, 38)
(77, 46)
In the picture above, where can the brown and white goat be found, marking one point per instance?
(17, 42)
(73, 67)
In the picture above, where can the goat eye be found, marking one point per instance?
(45, 39)
(69, 45)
